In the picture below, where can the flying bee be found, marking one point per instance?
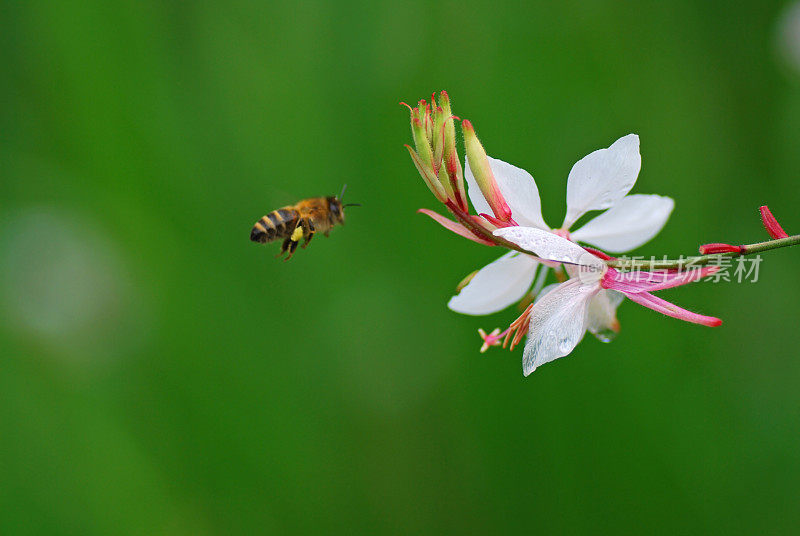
(294, 222)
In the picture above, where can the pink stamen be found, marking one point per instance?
(514, 333)
(518, 327)
(407, 106)
(491, 339)
(771, 224)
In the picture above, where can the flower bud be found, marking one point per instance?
(479, 164)
(427, 164)
(427, 122)
(771, 224)
(428, 176)
(451, 161)
(437, 141)
(716, 248)
(421, 139)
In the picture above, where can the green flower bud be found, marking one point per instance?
(479, 164)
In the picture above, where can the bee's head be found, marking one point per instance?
(336, 210)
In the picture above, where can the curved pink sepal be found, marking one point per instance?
(455, 227)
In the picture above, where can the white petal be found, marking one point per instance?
(546, 290)
(551, 247)
(602, 322)
(479, 203)
(518, 188)
(521, 193)
(602, 178)
(496, 285)
(631, 222)
(558, 322)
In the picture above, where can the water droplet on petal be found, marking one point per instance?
(605, 335)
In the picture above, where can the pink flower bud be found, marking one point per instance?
(771, 224)
(715, 248)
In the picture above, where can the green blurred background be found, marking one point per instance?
(160, 374)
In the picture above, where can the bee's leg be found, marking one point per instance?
(292, 247)
(294, 238)
(309, 231)
(284, 246)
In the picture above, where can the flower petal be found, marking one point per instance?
(496, 285)
(557, 324)
(518, 188)
(454, 226)
(670, 309)
(631, 222)
(550, 246)
(636, 282)
(603, 322)
(602, 178)
(479, 203)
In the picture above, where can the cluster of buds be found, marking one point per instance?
(436, 158)
(771, 224)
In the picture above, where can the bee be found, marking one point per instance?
(292, 223)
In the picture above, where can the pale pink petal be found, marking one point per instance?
(631, 222)
(546, 290)
(496, 285)
(600, 179)
(551, 247)
(557, 324)
(603, 322)
(518, 188)
(455, 227)
(670, 309)
(635, 282)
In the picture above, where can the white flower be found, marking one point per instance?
(558, 321)
(598, 181)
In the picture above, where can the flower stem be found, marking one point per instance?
(701, 260)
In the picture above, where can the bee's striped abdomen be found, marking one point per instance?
(277, 224)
